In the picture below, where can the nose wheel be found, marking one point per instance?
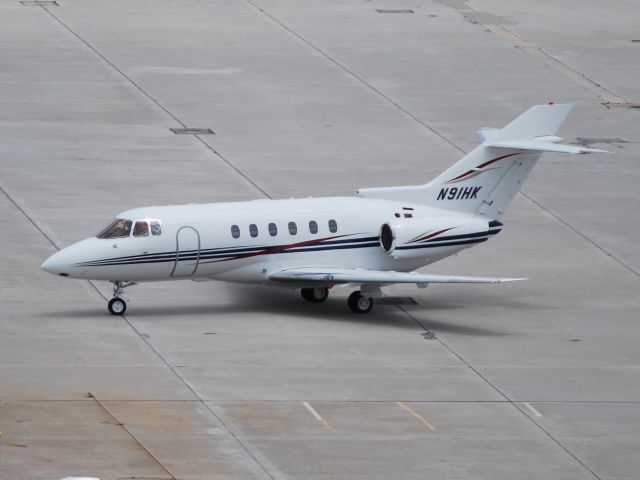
(117, 305)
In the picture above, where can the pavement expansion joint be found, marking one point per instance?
(116, 422)
(357, 77)
(155, 101)
(485, 379)
(600, 91)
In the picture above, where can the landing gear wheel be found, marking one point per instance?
(117, 306)
(315, 295)
(358, 303)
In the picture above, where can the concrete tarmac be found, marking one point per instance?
(534, 380)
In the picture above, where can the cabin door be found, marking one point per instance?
(187, 252)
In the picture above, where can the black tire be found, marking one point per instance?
(117, 306)
(358, 303)
(315, 295)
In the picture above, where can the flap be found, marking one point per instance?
(332, 276)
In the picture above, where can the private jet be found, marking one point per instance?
(376, 238)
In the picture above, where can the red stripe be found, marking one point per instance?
(282, 248)
(487, 163)
(431, 235)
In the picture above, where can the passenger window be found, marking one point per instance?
(273, 229)
(155, 228)
(313, 227)
(253, 230)
(141, 229)
(235, 231)
(333, 226)
(293, 228)
(118, 229)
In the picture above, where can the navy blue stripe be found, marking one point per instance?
(193, 254)
(221, 250)
(313, 249)
(222, 257)
(460, 237)
(449, 244)
(262, 251)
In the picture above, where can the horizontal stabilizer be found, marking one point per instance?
(541, 146)
(333, 276)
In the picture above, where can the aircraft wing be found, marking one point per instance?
(333, 276)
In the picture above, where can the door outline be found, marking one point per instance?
(175, 263)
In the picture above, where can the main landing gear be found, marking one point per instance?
(315, 295)
(117, 305)
(359, 302)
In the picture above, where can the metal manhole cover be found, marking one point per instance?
(396, 10)
(621, 105)
(192, 131)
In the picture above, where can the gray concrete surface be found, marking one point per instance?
(534, 380)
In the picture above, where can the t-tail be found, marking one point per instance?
(486, 180)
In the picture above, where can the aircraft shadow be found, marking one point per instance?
(247, 299)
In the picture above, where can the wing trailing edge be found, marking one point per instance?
(334, 276)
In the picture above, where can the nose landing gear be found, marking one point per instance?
(117, 305)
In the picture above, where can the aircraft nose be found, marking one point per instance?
(56, 264)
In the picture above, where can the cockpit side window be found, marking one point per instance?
(155, 227)
(141, 229)
(118, 229)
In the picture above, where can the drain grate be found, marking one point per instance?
(395, 10)
(39, 3)
(192, 131)
(395, 301)
(621, 105)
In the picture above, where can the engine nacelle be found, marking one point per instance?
(417, 238)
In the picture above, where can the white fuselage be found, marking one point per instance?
(196, 241)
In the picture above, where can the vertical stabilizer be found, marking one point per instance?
(487, 178)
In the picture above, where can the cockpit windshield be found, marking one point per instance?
(121, 228)
(118, 229)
